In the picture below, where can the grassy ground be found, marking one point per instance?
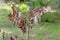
(48, 31)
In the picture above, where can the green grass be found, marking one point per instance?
(49, 31)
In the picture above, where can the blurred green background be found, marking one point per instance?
(49, 31)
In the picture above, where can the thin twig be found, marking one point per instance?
(28, 33)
